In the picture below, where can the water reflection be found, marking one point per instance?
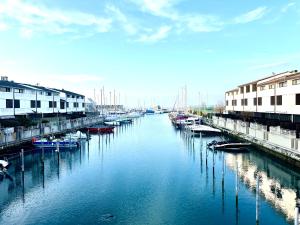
(43, 166)
(140, 176)
(278, 185)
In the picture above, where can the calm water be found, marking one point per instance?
(147, 173)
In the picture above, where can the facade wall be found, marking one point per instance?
(44, 97)
(266, 88)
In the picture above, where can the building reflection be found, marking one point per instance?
(278, 185)
(42, 167)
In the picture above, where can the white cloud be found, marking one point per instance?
(42, 19)
(201, 23)
(3, 26)
(180, 21)
(129, 27)
(251, 16)
(160, 34)
(26, 32)
(285, 8)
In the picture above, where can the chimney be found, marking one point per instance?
(5, 78)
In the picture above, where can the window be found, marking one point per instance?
(259, 100)
(246, 101)
(9, 103)
(262, 88)
(41, 93)
(17, 90)
(73, 96)
(296, 82)
(297, 99)
(226, 103)
(67, 104)
(68, 96)
(54, 104)
(271, 86)
(62, 105)
(242, 90)
(282, 84)
(248, 88)
(48, 94)
(254, 101)
(17, 103)
(254, 87)
(75, 104)
(83, 105)
(38, 104)
(272, 100)
(279, 99)
(234, 103)
(50, 104)
(32, 104)
(242, 101)
(4, 89)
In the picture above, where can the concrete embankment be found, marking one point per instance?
(10, 137)
(276, 141)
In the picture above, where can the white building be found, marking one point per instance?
(18, 99)
(71, 102)
(279, 93)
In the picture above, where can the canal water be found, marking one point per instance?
(148, 173)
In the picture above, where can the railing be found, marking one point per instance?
(17, 135)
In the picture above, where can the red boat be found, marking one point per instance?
(100, 129)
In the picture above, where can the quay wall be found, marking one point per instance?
(17, 135)
(275, 140)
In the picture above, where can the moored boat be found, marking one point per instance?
(55, 143)
(76, 136)
(4, 164)
(100, 129)
(228, 146)
(204, 129)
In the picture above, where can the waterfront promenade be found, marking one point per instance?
(19, 135)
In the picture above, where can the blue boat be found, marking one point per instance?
(150, 111)
(53, 144)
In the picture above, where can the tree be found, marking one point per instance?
(219, 107)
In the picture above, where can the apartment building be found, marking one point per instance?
(71, 102)
(276, 94)
(17, 99)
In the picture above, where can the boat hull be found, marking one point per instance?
(53, 145)
(102, 130)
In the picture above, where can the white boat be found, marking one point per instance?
(228, 146)
(76, 136)
(3, 164)
(133, 115)
(204, 129)
(112, 123)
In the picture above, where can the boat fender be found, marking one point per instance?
(34, 139)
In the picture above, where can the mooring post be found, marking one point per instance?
(201, 141)
(22, 160)
(206, 157)
(296, 216)
(223, 170)
(236, 183)
(257, 199)
(213, 164)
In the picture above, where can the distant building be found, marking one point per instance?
(273, 97)
(17, 99)
(110, 108)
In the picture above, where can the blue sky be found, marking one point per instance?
(148, 49)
